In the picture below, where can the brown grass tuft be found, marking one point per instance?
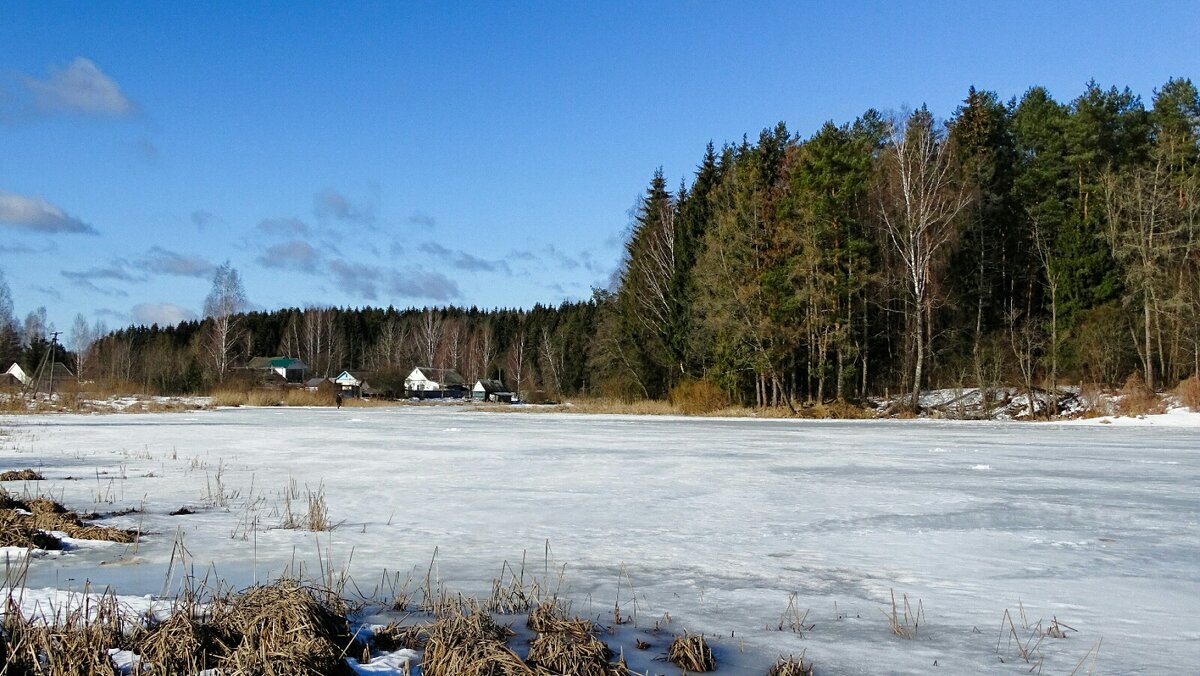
(791, 666)
(395, 636)
(470, 643)
(1188, 392)
(697, 397)
(286, 629)
(1138, 399)
(571, 650)
(20, 475)
(690, 652)
(25, 522)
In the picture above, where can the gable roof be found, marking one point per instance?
(443, 377)
(489, 386)
(276, 363)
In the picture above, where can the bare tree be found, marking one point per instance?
(918, 205)
(81, 339)
(1145, 234)
(225, 301)
(517, 360)
(552, 360)
(429, 335)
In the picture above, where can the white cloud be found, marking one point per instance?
(163, 314)
(38, 215)
(81, 87)
(296, 254)
(168, 262)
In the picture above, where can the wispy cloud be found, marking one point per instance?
(331, 204)
(80, 87)
(423, 219)
(366, 282)
(167, 262)
(202, 218)
(38, 215)
(284, 226)
(295, 255)
(163, 314)
(427, 285)
(462, 260)
(117, 271)
(48, 247)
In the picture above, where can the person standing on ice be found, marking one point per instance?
(338, 399)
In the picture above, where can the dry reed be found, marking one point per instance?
(468, 642)
(791, 666)
(690, 652)
(20, 475)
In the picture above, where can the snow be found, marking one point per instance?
(705, 524)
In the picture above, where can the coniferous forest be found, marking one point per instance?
(1030, 243)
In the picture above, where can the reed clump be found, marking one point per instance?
(72, 642)
(698, 397)
(690, 652)
(30, 523)
(20, 475)
(285, 629)
(791, 666)
(468, 642)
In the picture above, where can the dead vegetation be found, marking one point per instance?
(690, 652)
(905, 625)
(468, 642)
(791, 666)
(33, 522)
(1138, 399)
(21, 475)
(1188, 392)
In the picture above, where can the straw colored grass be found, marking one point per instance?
(1188, 392)
(470, 643)
(27, 522)
(690, 652)
(1138, 399)
(791, 666)
(697, 397)
(72, 642)
(285, 629)
(572, 649)
(20, 475)
(396, 636)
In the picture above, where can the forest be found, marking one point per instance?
(1030, 243)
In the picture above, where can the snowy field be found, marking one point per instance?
(714, 521)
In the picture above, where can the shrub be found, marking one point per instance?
(1137, 398)
(1188, 392)
(697, 397)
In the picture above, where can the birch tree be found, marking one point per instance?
(918, 206)
(224, 303)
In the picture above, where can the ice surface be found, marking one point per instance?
(714, 521)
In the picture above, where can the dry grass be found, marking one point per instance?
(1188, 392)
(73, 642)
(1138, 399)
(905, 625)
(697, 397)
(285, 629)
(395, 636)
(468, 642)
(27, 522)
(21, 475)
(612, 406)
(690, 652)
(572, 650)
(791, 666)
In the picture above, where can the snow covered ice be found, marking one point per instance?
(714, 521)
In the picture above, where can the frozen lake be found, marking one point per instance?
(714, 521)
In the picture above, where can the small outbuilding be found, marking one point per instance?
(491, 390)
(353, 384)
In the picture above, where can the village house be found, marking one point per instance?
(354, 384)
(288, 369)
(58, 376)
(430, 383)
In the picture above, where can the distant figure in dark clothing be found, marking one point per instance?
(338, 399)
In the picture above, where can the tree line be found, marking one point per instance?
(1026, 242)
(1020, 242)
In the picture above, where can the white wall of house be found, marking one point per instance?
(19, 373)
(417, 382)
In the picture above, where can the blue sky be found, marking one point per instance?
(452, 153)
